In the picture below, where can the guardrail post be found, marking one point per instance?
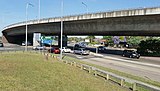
(90, 69)
(107, 77)
(81, 67)
(71, 63)
(66, 62)
(52, 56)
(95, 73)
(75, 64)
(134, 87)
(122, 82)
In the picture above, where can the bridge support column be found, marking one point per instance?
(64, 42)
(8, 39)
(4, 39)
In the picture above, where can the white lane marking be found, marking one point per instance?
(123, 60)
(80, 57)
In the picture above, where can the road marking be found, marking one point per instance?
(80, 57)
(123, 60)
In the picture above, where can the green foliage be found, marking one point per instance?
(108, 39)
(151, 47)
(76, 39)
(32, 72)
(134, 40)
(91, 38)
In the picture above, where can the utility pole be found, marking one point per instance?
(27, 5)
(61, 28)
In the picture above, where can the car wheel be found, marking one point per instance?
(123, 55)
(130, 56)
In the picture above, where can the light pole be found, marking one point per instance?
(61, 28)
(27, 5)
(39, 10)
(85, 6)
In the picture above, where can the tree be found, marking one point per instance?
(135, 40)
(91, 38)
(76, 39)
(108, 39)
(151, 46)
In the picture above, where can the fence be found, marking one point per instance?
(134, 85)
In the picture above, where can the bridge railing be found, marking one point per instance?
(121, 13)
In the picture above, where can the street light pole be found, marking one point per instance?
(85, 6)
(39, 8)
(26, 26)
(61, 28)
(27, 5)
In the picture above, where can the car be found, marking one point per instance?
(66, 50)
(55, 50)
(131, 54)
(39, 47)
(82, 51)
(1, 45)
(101, 48)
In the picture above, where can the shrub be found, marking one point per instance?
(150, 47)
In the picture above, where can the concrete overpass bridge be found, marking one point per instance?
(132, 22)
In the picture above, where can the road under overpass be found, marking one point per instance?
(132, 22)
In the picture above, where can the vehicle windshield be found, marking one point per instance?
(1, 44)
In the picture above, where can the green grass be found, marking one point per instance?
(155, 83)
(32, 72)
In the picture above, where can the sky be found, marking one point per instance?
(14, 11)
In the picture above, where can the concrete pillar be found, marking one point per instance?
(4, 39)
(10, 39)
(15, 39)
(65, 39)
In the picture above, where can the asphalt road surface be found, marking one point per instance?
(146, 68)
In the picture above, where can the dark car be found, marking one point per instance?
(101, 48)
(131, 54)
(1, 44)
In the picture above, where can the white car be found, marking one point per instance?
(24, 43)
(39, 47)
(82, 51)
(66, 50)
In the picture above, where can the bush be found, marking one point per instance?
(150, 47)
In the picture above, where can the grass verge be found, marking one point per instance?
(155, 83)
(32, 72)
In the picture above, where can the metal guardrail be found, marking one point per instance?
(111, 77)
(104, 74)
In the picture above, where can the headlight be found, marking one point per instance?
(134, 54)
